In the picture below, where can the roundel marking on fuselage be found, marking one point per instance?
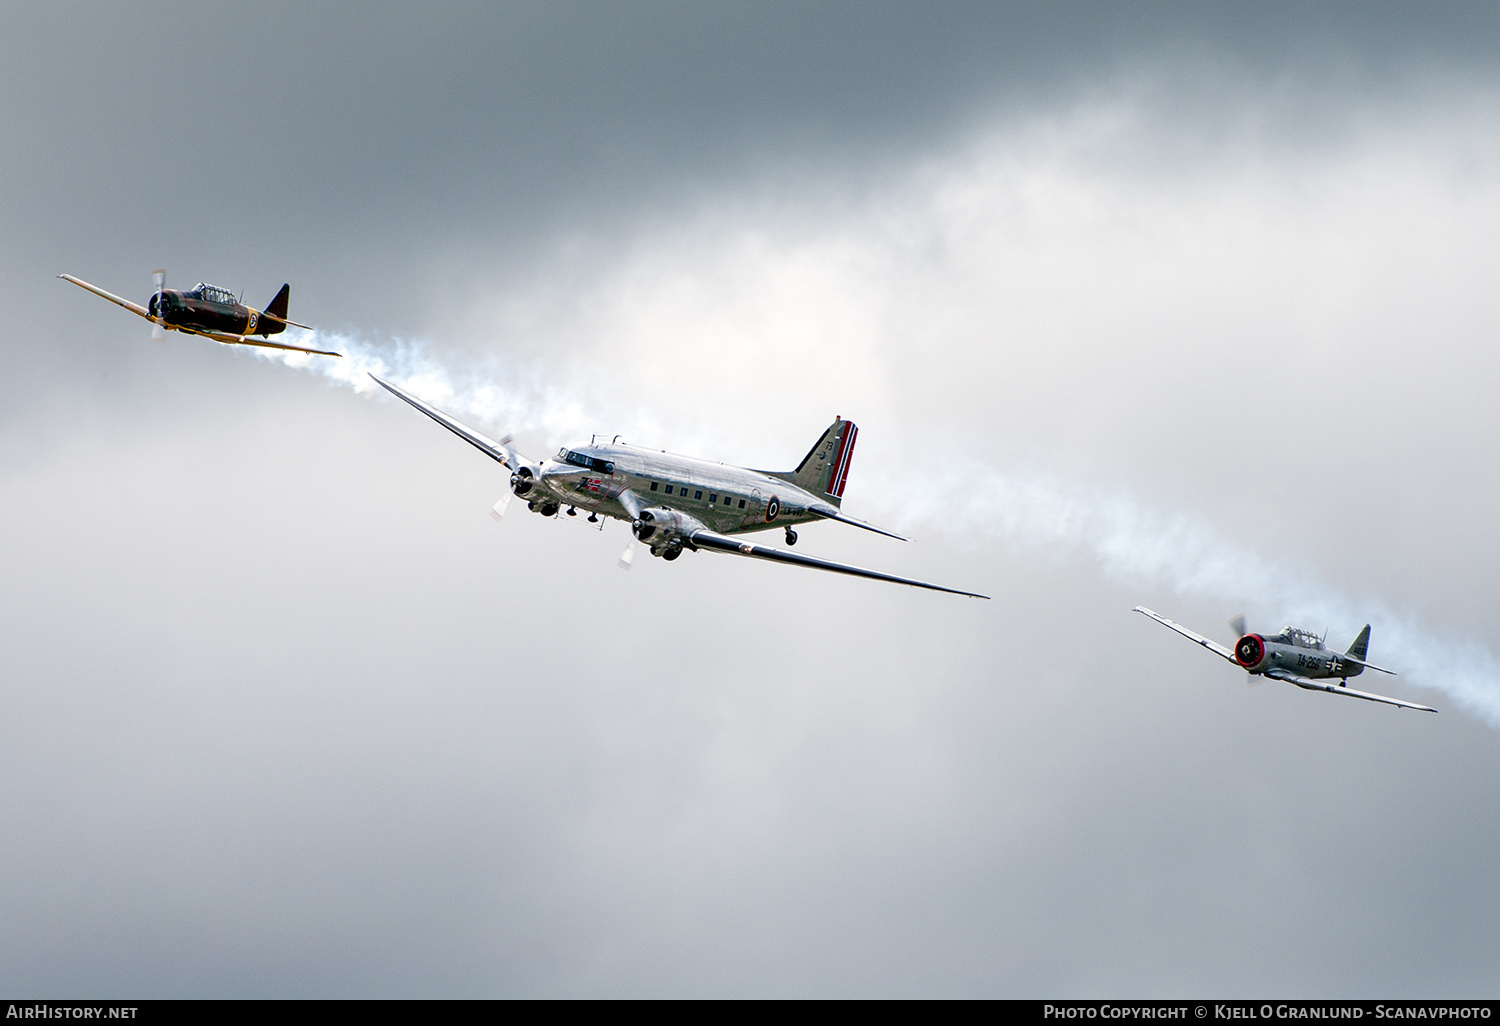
(773, 507)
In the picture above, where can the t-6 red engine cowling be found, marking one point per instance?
(1250, 651)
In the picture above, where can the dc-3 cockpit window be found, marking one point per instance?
(578, 459)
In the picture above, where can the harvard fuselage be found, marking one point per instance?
(210, 308)
(1297, 651)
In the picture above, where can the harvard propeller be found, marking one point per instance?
(1296, 657)
(210, 311)
(673, 503)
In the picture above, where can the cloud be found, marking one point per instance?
(1035, 291)
(285, 713)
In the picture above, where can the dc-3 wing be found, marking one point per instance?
(230, 340)
(1334, 689)
(1213, 646)
(714, 542)
(500, 451)
(720, 543)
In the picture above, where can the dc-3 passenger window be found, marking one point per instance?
(668, 489)
(698, 494)
(713, 496)
(742, 504)
(653, 486)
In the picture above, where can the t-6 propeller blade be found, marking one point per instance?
(159, 277)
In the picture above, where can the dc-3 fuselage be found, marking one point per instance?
(677, 503)
(1296, 657)
(680, 492)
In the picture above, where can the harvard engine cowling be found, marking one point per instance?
(1250, 652)
(665, 530)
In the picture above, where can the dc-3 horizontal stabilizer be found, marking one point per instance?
(1294, 657)
(675, 503)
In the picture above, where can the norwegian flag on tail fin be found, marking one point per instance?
(840, 475)
(825, 469)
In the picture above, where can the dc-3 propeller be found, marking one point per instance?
(522, 480)
(1295, 657)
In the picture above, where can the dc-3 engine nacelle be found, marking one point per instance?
(665, 530)
(525, 479)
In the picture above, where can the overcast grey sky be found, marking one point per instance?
(1161, 304)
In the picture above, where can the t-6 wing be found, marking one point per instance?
(241, 340)
(134, 308)
(706, 539)
(1335, 689)
(1212, 646)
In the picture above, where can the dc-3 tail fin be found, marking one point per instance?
(825, 469)
(275, 322)
(1361, 646)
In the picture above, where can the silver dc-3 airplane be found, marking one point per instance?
(1296, 657)
(673, 503)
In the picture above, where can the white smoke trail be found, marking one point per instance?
(1151, 548)
(1006, 278)
(1130, 541)
(515, 398)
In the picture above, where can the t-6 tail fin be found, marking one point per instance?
(825, 469)
(276, 309)
(1361, 645)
